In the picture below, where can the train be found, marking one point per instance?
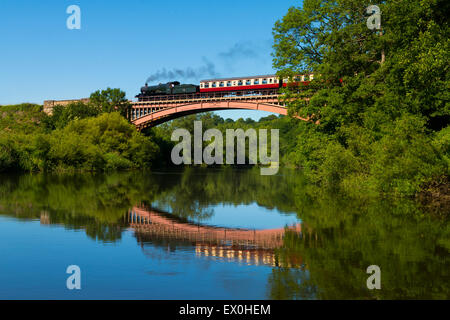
(237, 85)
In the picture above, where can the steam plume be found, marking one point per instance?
(208, 69)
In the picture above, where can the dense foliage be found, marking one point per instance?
(75, 137)
(381, 98)
(287, 127)
(100, 101)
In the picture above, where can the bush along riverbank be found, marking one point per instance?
(84, 137)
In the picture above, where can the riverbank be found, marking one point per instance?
(104, 142)
(79, 137)
(435, 198)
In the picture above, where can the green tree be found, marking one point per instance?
(62, 115)
(367, 81)
(110, 100)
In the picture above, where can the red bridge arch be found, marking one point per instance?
(151, 113)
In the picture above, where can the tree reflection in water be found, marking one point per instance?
(340, 237)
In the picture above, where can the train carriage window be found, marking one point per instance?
(214, 85)
(206, 85)
(228, 83)
(221, 84)
(248, 82)
(240, 83)
(256, 81)
(264, 81)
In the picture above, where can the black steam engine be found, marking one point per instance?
(169, 88)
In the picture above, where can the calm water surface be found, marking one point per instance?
(212, 234)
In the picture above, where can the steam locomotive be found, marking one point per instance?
(169, 88)
(237, 85)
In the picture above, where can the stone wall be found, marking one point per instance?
(50, 104)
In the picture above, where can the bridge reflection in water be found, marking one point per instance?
(253, 247)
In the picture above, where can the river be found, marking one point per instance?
(202, 233)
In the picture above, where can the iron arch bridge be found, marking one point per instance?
(160, 109)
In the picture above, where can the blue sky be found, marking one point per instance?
(122, 43)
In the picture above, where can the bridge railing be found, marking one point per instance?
(150, 105)
(201, 95)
